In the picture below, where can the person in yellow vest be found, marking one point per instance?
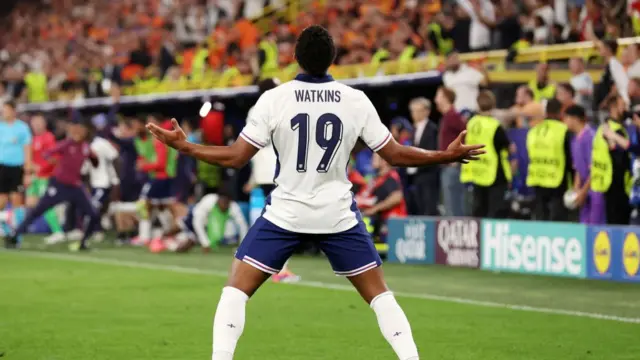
(267, 61)
(610, 165)
(440, 35)
(491, 176)
(542, 88)
(550, 164)
(36, 81)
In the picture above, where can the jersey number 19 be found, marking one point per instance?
(328, 137)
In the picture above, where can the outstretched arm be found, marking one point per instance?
(405, 156)
(234, 156)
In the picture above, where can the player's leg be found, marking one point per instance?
(56, 194)
(5, 215)
(352, 254)
(51, 216)
(144, 209)
(261, 254)
(81, 200)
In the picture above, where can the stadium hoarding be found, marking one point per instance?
(613, 253)
(457, 242)
(411, 240)
(530, 247)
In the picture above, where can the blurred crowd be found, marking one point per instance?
(69, 49)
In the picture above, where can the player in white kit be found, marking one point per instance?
(313, 123)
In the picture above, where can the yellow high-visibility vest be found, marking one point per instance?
(36, 87)
(547, 159)
(481, 129)
(546, 93)
(601, 162)
(270, 56)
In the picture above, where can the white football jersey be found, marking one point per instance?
(313, 124)
(104, 175)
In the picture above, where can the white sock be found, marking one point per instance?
(394, 326)
(144, 230)
(166, 220)
(228, 323)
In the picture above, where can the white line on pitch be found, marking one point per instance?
(323, 285)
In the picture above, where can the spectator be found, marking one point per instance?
(610, 164)
(549, 148)
(634, 91)
(465, 81)
(631, 63)
(614, 77)
(526, 111)
(482, 14)
(141, 56)
(426, 179)
(385, 199)
(492, 176)
(508, 26)
(581, 82)
(542, 88)
(451, 125)
(566, 96)
(591, 204)
(167, 57)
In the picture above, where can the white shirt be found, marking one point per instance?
(314, 127)
(581, 82)
(201, 213)
(466, 84)
(263, 164)
(479, 33)
(620, 78)
(104, 175)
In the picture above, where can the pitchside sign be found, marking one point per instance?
(458, 242)
(411, 240)
(614, 253)
(531, 247)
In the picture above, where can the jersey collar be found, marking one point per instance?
(312, 79)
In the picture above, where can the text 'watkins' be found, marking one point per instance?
(317, 95)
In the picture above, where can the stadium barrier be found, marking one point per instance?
(528, 247)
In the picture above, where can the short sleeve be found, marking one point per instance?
(26, 136)
(257, 132)
(373, 132)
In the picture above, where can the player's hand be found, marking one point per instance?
(464, 153)
(173, 138)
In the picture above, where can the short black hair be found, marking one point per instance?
(267, 84)
(612, 45)
(576, 111)
(225, 191)
(11, 104)
(315, 50)
(567, 87)
(554, 108)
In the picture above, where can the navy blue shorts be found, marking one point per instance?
(130, 191)
(100, 197)
(186, 225)
(267, 247)
(158, 191)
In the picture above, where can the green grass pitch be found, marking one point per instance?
(127, 304)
